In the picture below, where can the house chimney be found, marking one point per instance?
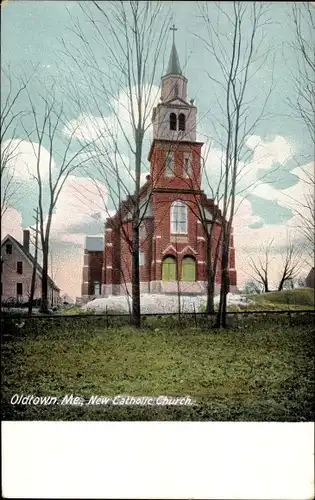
(26, 240)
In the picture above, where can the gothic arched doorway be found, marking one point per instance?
(169, 269)
(188, 269)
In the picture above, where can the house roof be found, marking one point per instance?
(94, 243)
(29, 256)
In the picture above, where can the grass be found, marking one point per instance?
(256, 372)
(301, 298)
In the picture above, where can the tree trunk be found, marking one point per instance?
(210, 279)
(30, 305)
(44, 301)
(225, 284)
(136, 312)
(210, 291)
(280, 287)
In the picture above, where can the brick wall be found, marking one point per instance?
(159, 242)
(92, 271)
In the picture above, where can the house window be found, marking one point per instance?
(19, 267)
(181, 121)
(19, 289)
(179, 218)
(169, 165)
(173, 121)
(141, 259)
(8, 248)
(187, 166)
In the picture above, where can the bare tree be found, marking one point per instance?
(34, 271)
(291, 264)
(303, 22)
(261, 268)
(49, 130)
(132, 35)
(238, 55)
(11, 115)
(288, 270)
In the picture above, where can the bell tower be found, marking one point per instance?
(174, 118)
(175, 154)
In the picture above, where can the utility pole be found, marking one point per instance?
(33, 283)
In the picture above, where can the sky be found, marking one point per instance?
(33, 33)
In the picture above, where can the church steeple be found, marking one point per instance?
(173, 63)
(174, 118)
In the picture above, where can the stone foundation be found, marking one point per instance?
(160, 287)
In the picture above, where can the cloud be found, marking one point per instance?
(118, 123)
(11, 223)
(250, 241)
(79, 202)
(23, 159)
(89, 128)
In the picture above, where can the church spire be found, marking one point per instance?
(173, 63)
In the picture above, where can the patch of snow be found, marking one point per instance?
(159, 304)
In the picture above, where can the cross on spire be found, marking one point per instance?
(173, 29)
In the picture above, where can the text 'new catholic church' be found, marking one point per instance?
(173, 245)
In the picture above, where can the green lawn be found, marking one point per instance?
(302, 298)
(256, 372)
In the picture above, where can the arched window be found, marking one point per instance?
(169, 269)
(173, 121)
(181, 121)
(188, 269)
(179, 218)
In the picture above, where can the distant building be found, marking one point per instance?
(66, 298)
(17, 269)
(92, 268)
(310, 279)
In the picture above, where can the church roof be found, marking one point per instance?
(173, 63)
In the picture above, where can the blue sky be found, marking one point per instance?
(31, 34)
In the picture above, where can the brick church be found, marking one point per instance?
(172, 240)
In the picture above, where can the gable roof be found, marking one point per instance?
(30, 258)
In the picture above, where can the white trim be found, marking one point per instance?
(188, 247)
(158, 261)
(170, 247)
(109, 244)
(157, 236)
(109, 267)
(108, 229)
(199, 222)
(201, 261)
(201, 238)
